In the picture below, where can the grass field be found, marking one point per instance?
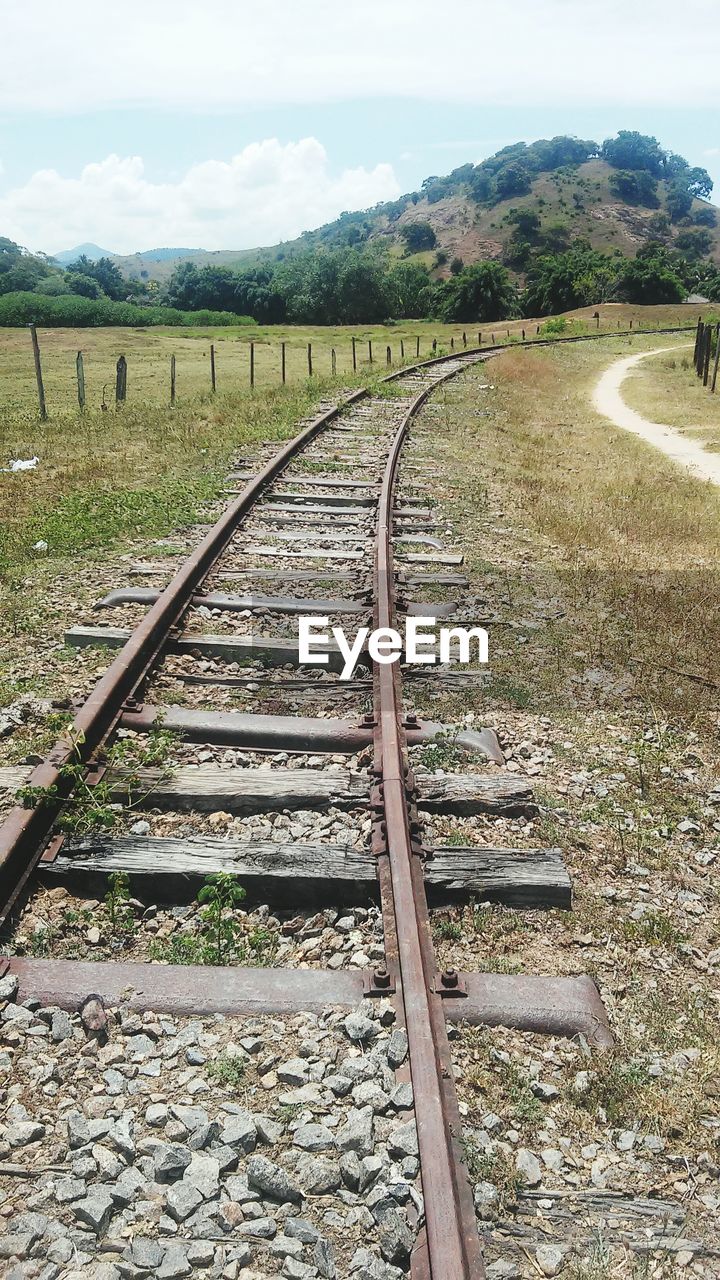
(106, 477)
(148, 353)
(666, 389)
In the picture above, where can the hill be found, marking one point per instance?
(91, 251)
(546, 194)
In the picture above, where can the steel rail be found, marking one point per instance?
(453, 1247)
(25, 831)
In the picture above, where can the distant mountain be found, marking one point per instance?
(162, 255)
(91, 251)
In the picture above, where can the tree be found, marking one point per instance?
(409, 291)
(456, 266)
(650, 278)
(638, 187)
(632, 150)
(525, 221)
(694, 244)
(513, 180)
(104, 271)
(558, 282)
(418, 236)
(678, 203)
(83, 285)
(481, 292)
(705, 217)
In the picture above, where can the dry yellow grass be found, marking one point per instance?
(666, 389)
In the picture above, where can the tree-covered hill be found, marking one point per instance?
(533, 230)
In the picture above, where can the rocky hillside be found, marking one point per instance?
(617, 195)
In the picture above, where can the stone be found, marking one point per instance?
(260, 1229)
(61, 1027)
(324, 1259)
(175, 1262)
(397, 1047)
(286, 1247)
(403, 1141)
(9, 987)
(528, 1168)
(318, 1175)
(182, 1200)
(95, 1210)
(503, 1269)
(171, 1163)
(357, 1132)
(302, 1230)
(94, 1018)
(486, 1196)
(24, 1133)
(545, 1092)
(552, 1158)
(396, 1238)
(271, 1180)
(295, 1071)
(156, 1115)
(69, 1189)
(370, 1169)
(550, 1258)
(203, 1172)
(401, 1097)
(359, 1028)
(201, 1253)
(313, 1137)
(240, 1132)
(339, 1085)
(146, 1253)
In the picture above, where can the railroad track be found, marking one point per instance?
(327, 521)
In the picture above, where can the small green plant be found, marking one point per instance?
(654, 930)
(228, 1070)
(618, 1087)
(448, 930)
(117, 904)
(218, 938)
(443, 752)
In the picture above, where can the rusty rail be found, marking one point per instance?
(453, 1247)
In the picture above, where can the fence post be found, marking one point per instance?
(212, 367)
(354, 356)
(370, 356)
(402, 349)
(479, 337)
(523, 334)
(333, 362)
(537, 330)
(172, 380)
(717, 357)
(417, 348)
(434, 345)
(464, 339)
(492, 335)
(388, 355)
(282, 362)
(309, 355)
(80, 380)
(121, 380)
(699, 346)
(452, 344)
(706, 354)
(38, 372)
(252, 364)
(698, 331)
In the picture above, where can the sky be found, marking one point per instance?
(226, 124)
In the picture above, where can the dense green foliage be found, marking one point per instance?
(345, 273)
(80, 312)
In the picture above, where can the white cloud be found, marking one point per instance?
(268, 192)
(220, 54)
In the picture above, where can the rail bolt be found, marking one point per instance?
(449, 977)
(381, 978)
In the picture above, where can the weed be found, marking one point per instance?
(617, 1086)
(654, 930)
(117, 904)
(227, 1069)
(218, 939)
(448, 930)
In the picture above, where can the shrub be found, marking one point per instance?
(76, 312)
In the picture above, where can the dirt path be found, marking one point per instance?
(609, 402)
